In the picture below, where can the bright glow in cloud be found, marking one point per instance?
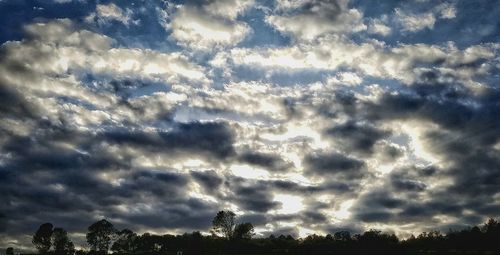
(289, 204)
(249, 172)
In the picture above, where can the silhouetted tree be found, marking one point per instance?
(342, 236)
(9, 251)
(126, 242)
(243, 231)
(491, 226)
(148, 243)
(61, 242)
(100, 235)
(42, 238)
(223, 224)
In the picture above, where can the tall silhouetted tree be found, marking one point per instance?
(243, 231)
(42, 238)
(100, 235)
(223, 224)
(126, 242)
(61, 242)
(9, 251)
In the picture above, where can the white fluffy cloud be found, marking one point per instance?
(307, 20)
(68, 48)
(378, 26)
(447, 11)
(107, 12)
(229, 9)
(415, 22)
(57, 54)
(211, 25)
(370, 58)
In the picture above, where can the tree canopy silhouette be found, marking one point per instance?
(61, 242)
(224, 225)
(47, 237)
(126, 242)
(42, 238)
(9, 251)
(243, 231)
(99, 236)
(231, 238)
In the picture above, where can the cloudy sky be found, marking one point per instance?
(301, 116)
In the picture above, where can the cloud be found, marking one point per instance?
(402, 62)
(251, 196)
(215, 139)
(447, 11)
(100, 57)
(346, 78)
(334, 164)
(229, 9)
(209, 179)
(208, 25)
(414, 22)
(269, 161)
(355, 136)
(109, 12)
(378, 26)
(306, 20)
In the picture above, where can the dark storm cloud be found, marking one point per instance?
(334, 164)
(254, 198)
(356, 136)
(159, 183)
(43, 152)
(257, 195)
(343, 102)
(330, 186)
(190, 213)
(271, 162)
(212, 138)
(208, 179)
(314, 217)
(467, 135)
(404, 184)
(422, 211)
(14, 105)
(62, 182)
(257, 219)
(377, 206)
(80, 192)
(443, 104)
(464, 141)
(401, 182)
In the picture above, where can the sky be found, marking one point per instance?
(301, 116)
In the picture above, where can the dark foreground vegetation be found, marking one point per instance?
(227, 237)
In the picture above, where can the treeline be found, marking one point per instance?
(227, 237)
